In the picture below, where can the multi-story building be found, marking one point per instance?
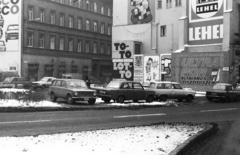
(61, 36)
(194, 42)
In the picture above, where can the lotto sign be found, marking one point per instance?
(123, 69)
(206, 21)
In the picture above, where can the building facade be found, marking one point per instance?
(197, 41)
(62, 36)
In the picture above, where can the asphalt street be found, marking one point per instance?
(36, 123)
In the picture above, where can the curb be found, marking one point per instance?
(210, 130)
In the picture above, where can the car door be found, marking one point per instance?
(126, 90)
(168, 90)
(138, 92)
(57, 88)
(177, 91)
(49, 82)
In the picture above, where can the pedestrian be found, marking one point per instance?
(87, 81)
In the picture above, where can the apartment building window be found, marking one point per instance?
(87, 47)
(159, 4)
(109, 12)
(53, 18)
(95, 25)
(109, 49)
(79, 3)
(94, 47)
(30, 39)
(42, 15)
(70, 44)
(178, 3)
(102, 28)
(62, 1)
(41, 40)
(163, 31)
(61, 44)
(71, 2)
(30, 13)
(62, 20)
(87, 5)
(70, 22)
(52, 42)
(87, 25)
(109, 30)
(79, 46)
(102, 48)
(95, 7)
(79, 23)
(102, 10)
(169, 3)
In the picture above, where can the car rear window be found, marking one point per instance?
(219, 87)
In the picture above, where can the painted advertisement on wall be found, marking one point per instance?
(141, 11)
(10, 34)
(138, 68)
(151, 68)
(166, 61)
(122, 57)
(206, 21)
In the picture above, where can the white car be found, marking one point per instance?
(43, 83)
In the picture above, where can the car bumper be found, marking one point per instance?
(215, 97)
(84, 98)
(103, 96)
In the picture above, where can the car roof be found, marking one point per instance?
(166, 82)
(69, 79)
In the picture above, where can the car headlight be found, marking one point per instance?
(76, 93)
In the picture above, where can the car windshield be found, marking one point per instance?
(9, 79)
(2, 43)
(219, 87)
(13, 27)
(76, 84)
(113, 85)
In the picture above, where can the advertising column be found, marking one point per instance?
(10, 35)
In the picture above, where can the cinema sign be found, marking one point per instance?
(206, 21)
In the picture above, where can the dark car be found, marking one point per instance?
(224, 92)
(125, 90)
(171, 90)
(72, 90)
(12, 32)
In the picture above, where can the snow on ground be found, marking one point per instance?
(151, 140)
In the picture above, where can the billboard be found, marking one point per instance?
(10, 35)
(166, 68)
(141, 11)
(151, 68)
(206, 21)
(138, 68)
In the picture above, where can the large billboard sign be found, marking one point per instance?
(141, 11)
(10, 34)
(138, 68)
(151, 68)
(206, 21)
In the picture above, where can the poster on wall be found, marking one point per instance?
(203, 70)
(151, 68)
(123, 69)
(141, 11)
(10, 34)
(206, 21)
(138, 68)
(166, 61)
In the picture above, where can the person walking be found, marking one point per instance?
(87, 81)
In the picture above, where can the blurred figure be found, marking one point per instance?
(87, 81)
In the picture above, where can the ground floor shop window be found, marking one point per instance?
(33, 72)
(48, 70)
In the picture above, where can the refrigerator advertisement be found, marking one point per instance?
(151, 68)
(10, 35)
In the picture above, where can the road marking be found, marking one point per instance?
(218, 110)
(145, 115)
(19, 122)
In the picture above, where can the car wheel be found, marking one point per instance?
(189, 98)
(150, 99)
(53, 97)
(120, 99)
(70, 99)
(92, 101)
(163, 98)
(106, 100)
(135, 100)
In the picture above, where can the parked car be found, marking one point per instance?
(12, 32)
(224, 92)
(2, 46)
(171, 90)
(1, 21)
(72, 90)
(125, 90)
(15, 82)
(43, 83)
